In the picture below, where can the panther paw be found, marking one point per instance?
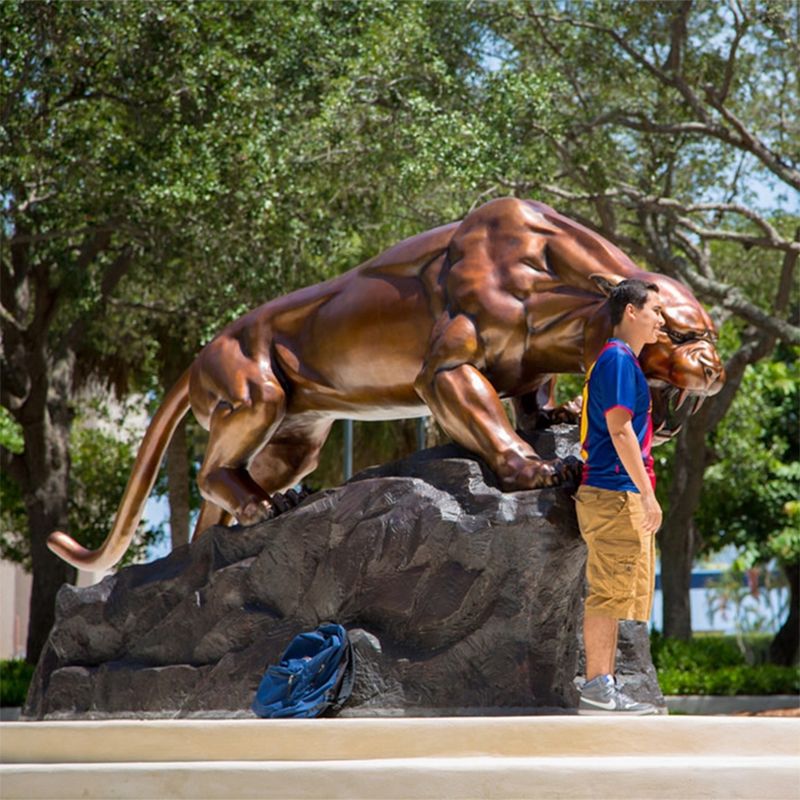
(538, 473)
(253, 511)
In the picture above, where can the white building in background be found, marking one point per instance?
(15, 598)
(15, 583)
(15, 592)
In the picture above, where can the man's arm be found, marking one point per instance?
(626, 444)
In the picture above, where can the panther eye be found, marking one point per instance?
(690, 336)
(678, 337)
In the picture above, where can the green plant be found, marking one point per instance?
(731, 680)
(15, 678)
(717, 665)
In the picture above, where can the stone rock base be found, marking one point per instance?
(459, 598)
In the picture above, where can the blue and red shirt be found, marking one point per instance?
(614, 380)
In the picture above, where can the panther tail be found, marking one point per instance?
(148, 460)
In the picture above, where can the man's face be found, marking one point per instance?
(648, 319)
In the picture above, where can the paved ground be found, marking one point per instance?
(501, 758)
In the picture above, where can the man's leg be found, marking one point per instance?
(614, 547)
(601, 693)
(600, 644)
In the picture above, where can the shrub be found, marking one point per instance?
(717, 665)
(742, 679)
(15, 677)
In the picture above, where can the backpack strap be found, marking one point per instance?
(345, 679)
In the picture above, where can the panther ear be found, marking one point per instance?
(605, 281)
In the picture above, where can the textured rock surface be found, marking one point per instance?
(459, 598)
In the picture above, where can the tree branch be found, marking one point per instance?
(773, 240)
(743, 238)
(639, 121)
(748, 141)
(740, 137)
(732, 298)
(740, 26)
(678, 33)
(584, 197)
(7, 317)
(111, 278)
(786, 280)
(33, 238)
(13, 464)
(33, 199)
(148, 307)
(698, 257)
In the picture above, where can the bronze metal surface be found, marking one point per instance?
(447, 322)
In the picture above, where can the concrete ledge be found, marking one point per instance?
(482, 777)
(679, 758)
(348, 739)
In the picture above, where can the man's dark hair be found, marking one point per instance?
(631, 291)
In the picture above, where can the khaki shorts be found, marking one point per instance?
(620, 567)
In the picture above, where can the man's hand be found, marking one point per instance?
(652, 513)
(626, 444)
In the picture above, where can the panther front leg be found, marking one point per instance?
(468, 408)
(538, 409)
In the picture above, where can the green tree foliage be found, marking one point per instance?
(752, 487)
(675, 141)
(751, 490)
(167, 166)
(15, 678)
(102, 451)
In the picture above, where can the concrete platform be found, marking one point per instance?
(475, 757)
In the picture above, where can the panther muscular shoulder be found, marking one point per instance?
(447, 323)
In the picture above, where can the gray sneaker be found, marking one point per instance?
(601, 695)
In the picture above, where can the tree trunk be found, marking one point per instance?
(784, 647)
(45, 489)
(173, 364)
(49, 573)
(679, 541)
(178, 486)
(678, 538)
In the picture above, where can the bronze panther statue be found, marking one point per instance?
(447, 322)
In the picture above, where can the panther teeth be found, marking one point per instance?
(699, 400)
(682, 398)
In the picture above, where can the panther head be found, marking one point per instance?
(683, 365)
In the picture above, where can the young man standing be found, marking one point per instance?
(616, 503)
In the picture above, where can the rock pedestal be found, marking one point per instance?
(459, 598)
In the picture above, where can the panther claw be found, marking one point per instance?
(286, 501)
(279, 503)
(571, 469)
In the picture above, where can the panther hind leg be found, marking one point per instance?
(291, 454)
(236, 435)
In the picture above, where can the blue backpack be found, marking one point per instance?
(315, 675)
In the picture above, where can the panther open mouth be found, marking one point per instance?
(671, 407)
